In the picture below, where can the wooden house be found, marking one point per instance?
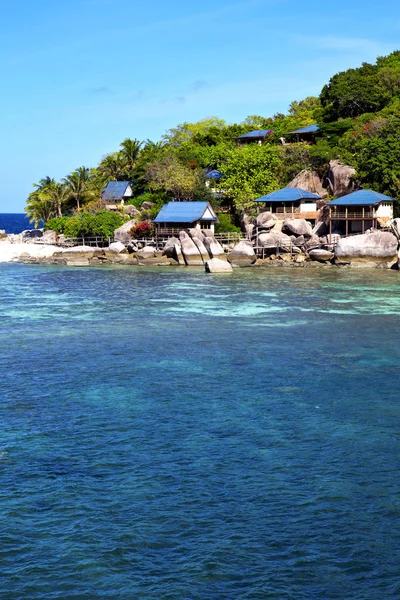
(305, 134)
(115, 193)
(177, 216)
(292, 203)
(258, 136)
(359, 211)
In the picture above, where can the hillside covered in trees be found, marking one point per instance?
(358, 113)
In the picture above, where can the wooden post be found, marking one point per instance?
(330, 222)
(347, 225)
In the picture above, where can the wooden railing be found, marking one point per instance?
(354, 214)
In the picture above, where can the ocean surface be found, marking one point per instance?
(167, 434)
(14, 223)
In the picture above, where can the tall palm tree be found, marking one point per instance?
(77, 183)
(40, 206)
(130, 151)
(59, 194)
(112, 167)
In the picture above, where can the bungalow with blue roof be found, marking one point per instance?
(115, 193)
(258, 136)
(292, 203)
(359, 211)
(177, 216)
(306, 134)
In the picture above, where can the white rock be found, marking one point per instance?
(118, 248)
(215, 265)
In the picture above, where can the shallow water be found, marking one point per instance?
(171, 434)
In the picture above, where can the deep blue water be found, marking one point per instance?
(14, 223)
(176, 435)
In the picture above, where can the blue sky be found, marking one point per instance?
(80, 76)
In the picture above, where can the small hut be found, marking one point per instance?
(177, 216)
(359, 211)
(291, 203)
(306, 134)
(258, 135)
(115, 193)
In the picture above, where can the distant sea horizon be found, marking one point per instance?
(15, 222)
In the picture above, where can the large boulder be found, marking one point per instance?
(150, 256)
(321, 255)
(118, 248)
(377, 246)
(170, 247)
(340, 178)
(131, 210)
(266, 220)
(274, 239)
(123, 233)
(190, 251)
(310, 181)
(297, 227)
(196, 233)
(31, 234)
(242, 255)
(395, 224)
(320, 229)
(147, 205)
(49, 237)
(215, 265)
(214, 248)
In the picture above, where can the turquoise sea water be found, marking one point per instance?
(175, 435)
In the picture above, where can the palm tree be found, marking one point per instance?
(40, 206)
(112, 167)
(130, 151)
(59, 194)
(77, 183)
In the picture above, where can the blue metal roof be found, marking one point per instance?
(183, 212)
(114, 190)
(256, 134)
(308, 129)
(287, 194)
(214, 174)
(362, 197)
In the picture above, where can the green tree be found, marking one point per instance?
(251, 171)
(78, 185)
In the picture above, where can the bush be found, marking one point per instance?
(226, 224)
(143, 230)
(101, 224)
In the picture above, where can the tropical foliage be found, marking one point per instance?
(358, 112)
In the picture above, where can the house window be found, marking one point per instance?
(206, 225)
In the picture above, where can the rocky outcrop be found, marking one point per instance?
(169, 249)
(215, 265)
(377, 246)
(118, 248)
(247, 223)
(339, 178)
(310, 181)
(242, 254)
(214, 248)
(320, 229)
(148, 256)
(31, 234)
(297, 227)
(274, 239)
(49, 237)
(190, 251)
(147, 205)
(321, 255)
(123, 233)
(266, 220)
(131, 210)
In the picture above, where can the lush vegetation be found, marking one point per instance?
(358, 111)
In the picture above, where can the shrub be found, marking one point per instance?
(102, 224)
(142, 230)
(225, 224)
